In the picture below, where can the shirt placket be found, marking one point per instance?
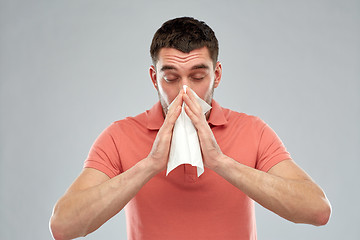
(190, 173)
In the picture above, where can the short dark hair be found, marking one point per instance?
(184, 34)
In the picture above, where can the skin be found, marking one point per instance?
(175, 69)
(93, 198)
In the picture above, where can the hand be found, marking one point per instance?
(159, 154)
(211, 151)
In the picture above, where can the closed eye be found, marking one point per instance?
(170, 78)
(198, 77)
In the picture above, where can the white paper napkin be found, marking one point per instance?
(185, 146)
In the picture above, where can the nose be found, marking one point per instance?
(184, 81)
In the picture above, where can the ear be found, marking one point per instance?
(218, 74)
(152, 72)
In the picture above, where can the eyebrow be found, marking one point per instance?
(200, 66)
(170, 67)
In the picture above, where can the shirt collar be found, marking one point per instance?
(217, 115)
(155, 116)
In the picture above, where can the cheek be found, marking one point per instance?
(168, 93)
(203, 90)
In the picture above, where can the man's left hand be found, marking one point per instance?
(210, 149)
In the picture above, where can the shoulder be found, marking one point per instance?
(241, 119)
(225, 117)
(140, 121)
(127, 125)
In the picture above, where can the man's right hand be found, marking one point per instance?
(159, 153)
(91, 200)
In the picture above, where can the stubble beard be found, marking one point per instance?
(165, 105)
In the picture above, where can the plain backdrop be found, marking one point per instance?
(68, 69)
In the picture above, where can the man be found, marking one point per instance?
(244, 160)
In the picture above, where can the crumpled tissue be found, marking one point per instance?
(185, 146)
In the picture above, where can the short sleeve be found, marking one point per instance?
(103, 154)
(271, 150)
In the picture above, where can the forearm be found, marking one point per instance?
(82, 212)
(298, 200)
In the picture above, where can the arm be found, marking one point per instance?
(94, 198)
(285, 189)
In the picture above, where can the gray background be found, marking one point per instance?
(70, 68)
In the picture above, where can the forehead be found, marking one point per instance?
(172, 56)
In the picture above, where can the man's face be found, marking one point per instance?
(175, 69)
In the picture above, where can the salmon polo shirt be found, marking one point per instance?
(182, 205)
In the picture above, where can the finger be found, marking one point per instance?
(191, 101)
(174, 112)
(178, 101)
(191, 95)
(171, 119)
(198, 120)
(191, 114)
(169, 122)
